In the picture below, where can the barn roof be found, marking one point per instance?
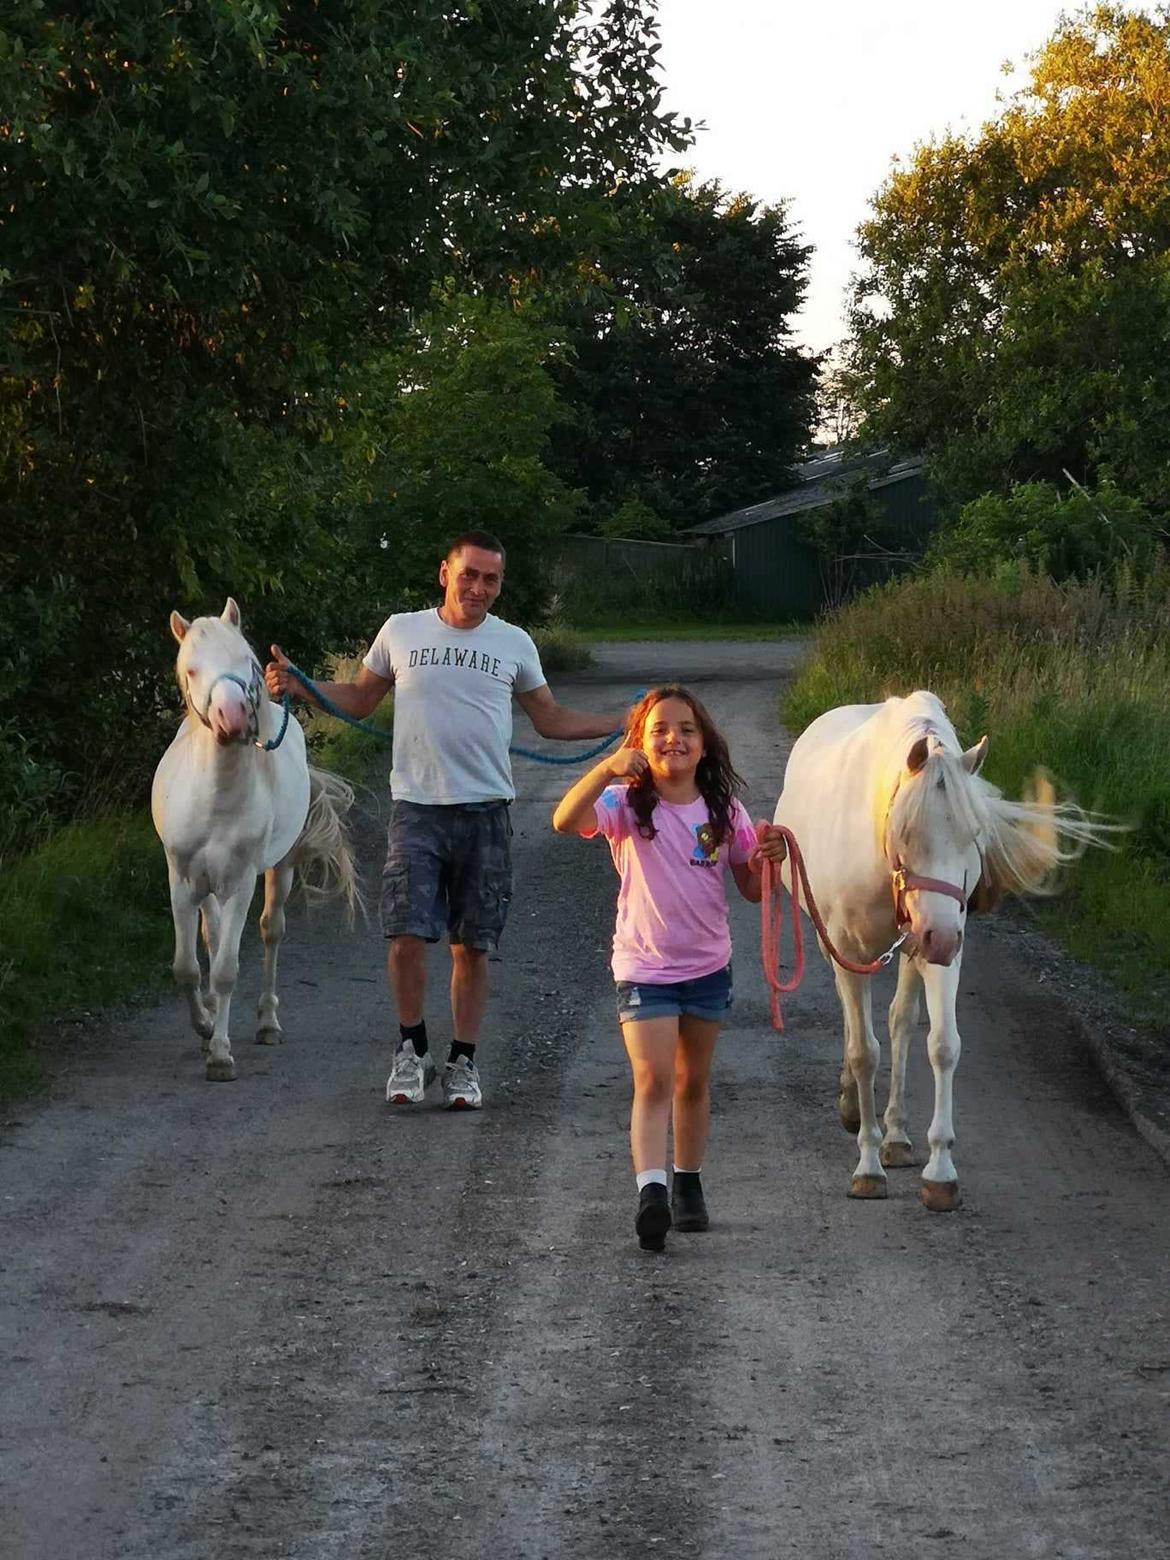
(818, 482)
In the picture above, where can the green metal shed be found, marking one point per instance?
(780, 574)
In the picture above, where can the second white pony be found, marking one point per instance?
(230, 801)
(898, 832)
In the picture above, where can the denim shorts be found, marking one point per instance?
(708, 997)
(448, 868)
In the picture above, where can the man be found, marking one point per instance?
(454, 670)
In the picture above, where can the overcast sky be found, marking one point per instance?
(808, 103)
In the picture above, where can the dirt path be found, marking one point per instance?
(268, 1319)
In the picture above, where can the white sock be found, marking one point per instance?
(649, 1177)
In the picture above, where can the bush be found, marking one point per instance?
(561, 649)
(1066, 535)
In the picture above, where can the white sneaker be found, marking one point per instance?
(461, 1089)
(410, 1076)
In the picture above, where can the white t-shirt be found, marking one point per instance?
(453, 692)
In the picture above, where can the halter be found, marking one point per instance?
(251, 692)
(903, 882)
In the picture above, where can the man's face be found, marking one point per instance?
(471, 581)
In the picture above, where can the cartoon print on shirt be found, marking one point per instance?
(706, 852)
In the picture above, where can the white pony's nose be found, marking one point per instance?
(228, 715)
(939, 945)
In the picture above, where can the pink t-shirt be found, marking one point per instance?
(672, 903)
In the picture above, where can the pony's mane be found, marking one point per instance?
(1024, 844)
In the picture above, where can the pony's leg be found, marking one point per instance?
(897, 1149)
(861, 1057)
(225, 969)
(210, 919)
(847, 1107)
(185, 965)
(940, 1182)
(277, 883)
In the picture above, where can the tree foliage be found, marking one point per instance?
(1012, 317)
(434, 454)
(216, 220)
(688, 392)
(1067, 535)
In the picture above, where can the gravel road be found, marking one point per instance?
(272, 1319)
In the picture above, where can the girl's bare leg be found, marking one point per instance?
(651, 1046)
(692, 1089)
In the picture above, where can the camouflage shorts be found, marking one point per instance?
(448, 867)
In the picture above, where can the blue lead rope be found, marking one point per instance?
(573, 758)
(330, 708)
(274, 742)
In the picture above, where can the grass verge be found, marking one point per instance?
(83, 923)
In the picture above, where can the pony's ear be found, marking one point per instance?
(230, 613)
(974, 756)
(179, 626)
(917, 755)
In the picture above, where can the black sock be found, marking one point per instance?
(687, 1180)
(461, 1048)
(416, 1034)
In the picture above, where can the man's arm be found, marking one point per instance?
(555, 720)
(358, 698)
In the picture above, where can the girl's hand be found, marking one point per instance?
(627, 763)
(770, 842)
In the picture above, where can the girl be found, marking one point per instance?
(673, 831)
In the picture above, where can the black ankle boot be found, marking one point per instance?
(687, 1201)
(653, 1218)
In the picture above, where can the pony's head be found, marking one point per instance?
(935, 829)
(218, 674)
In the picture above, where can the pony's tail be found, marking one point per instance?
(1033, 839)
(322, 856)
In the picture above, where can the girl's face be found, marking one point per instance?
(672, 739)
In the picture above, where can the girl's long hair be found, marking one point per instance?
(717, 781)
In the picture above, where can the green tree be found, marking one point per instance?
(214, 220)
(688, 391)
(1012, 316)
(452, 434)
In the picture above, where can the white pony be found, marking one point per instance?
(898, 832)
(227, 808)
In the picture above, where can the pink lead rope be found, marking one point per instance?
(772, 921)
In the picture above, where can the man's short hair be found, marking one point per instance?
(481, 539)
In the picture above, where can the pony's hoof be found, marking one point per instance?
(221, 1070)
(897, 1156)
(868, 1186)
(270, 1037)
(850, 1114)
(940, 1196)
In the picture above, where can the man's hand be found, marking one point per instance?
(277, 677)
(770, 842)
(627, 763)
